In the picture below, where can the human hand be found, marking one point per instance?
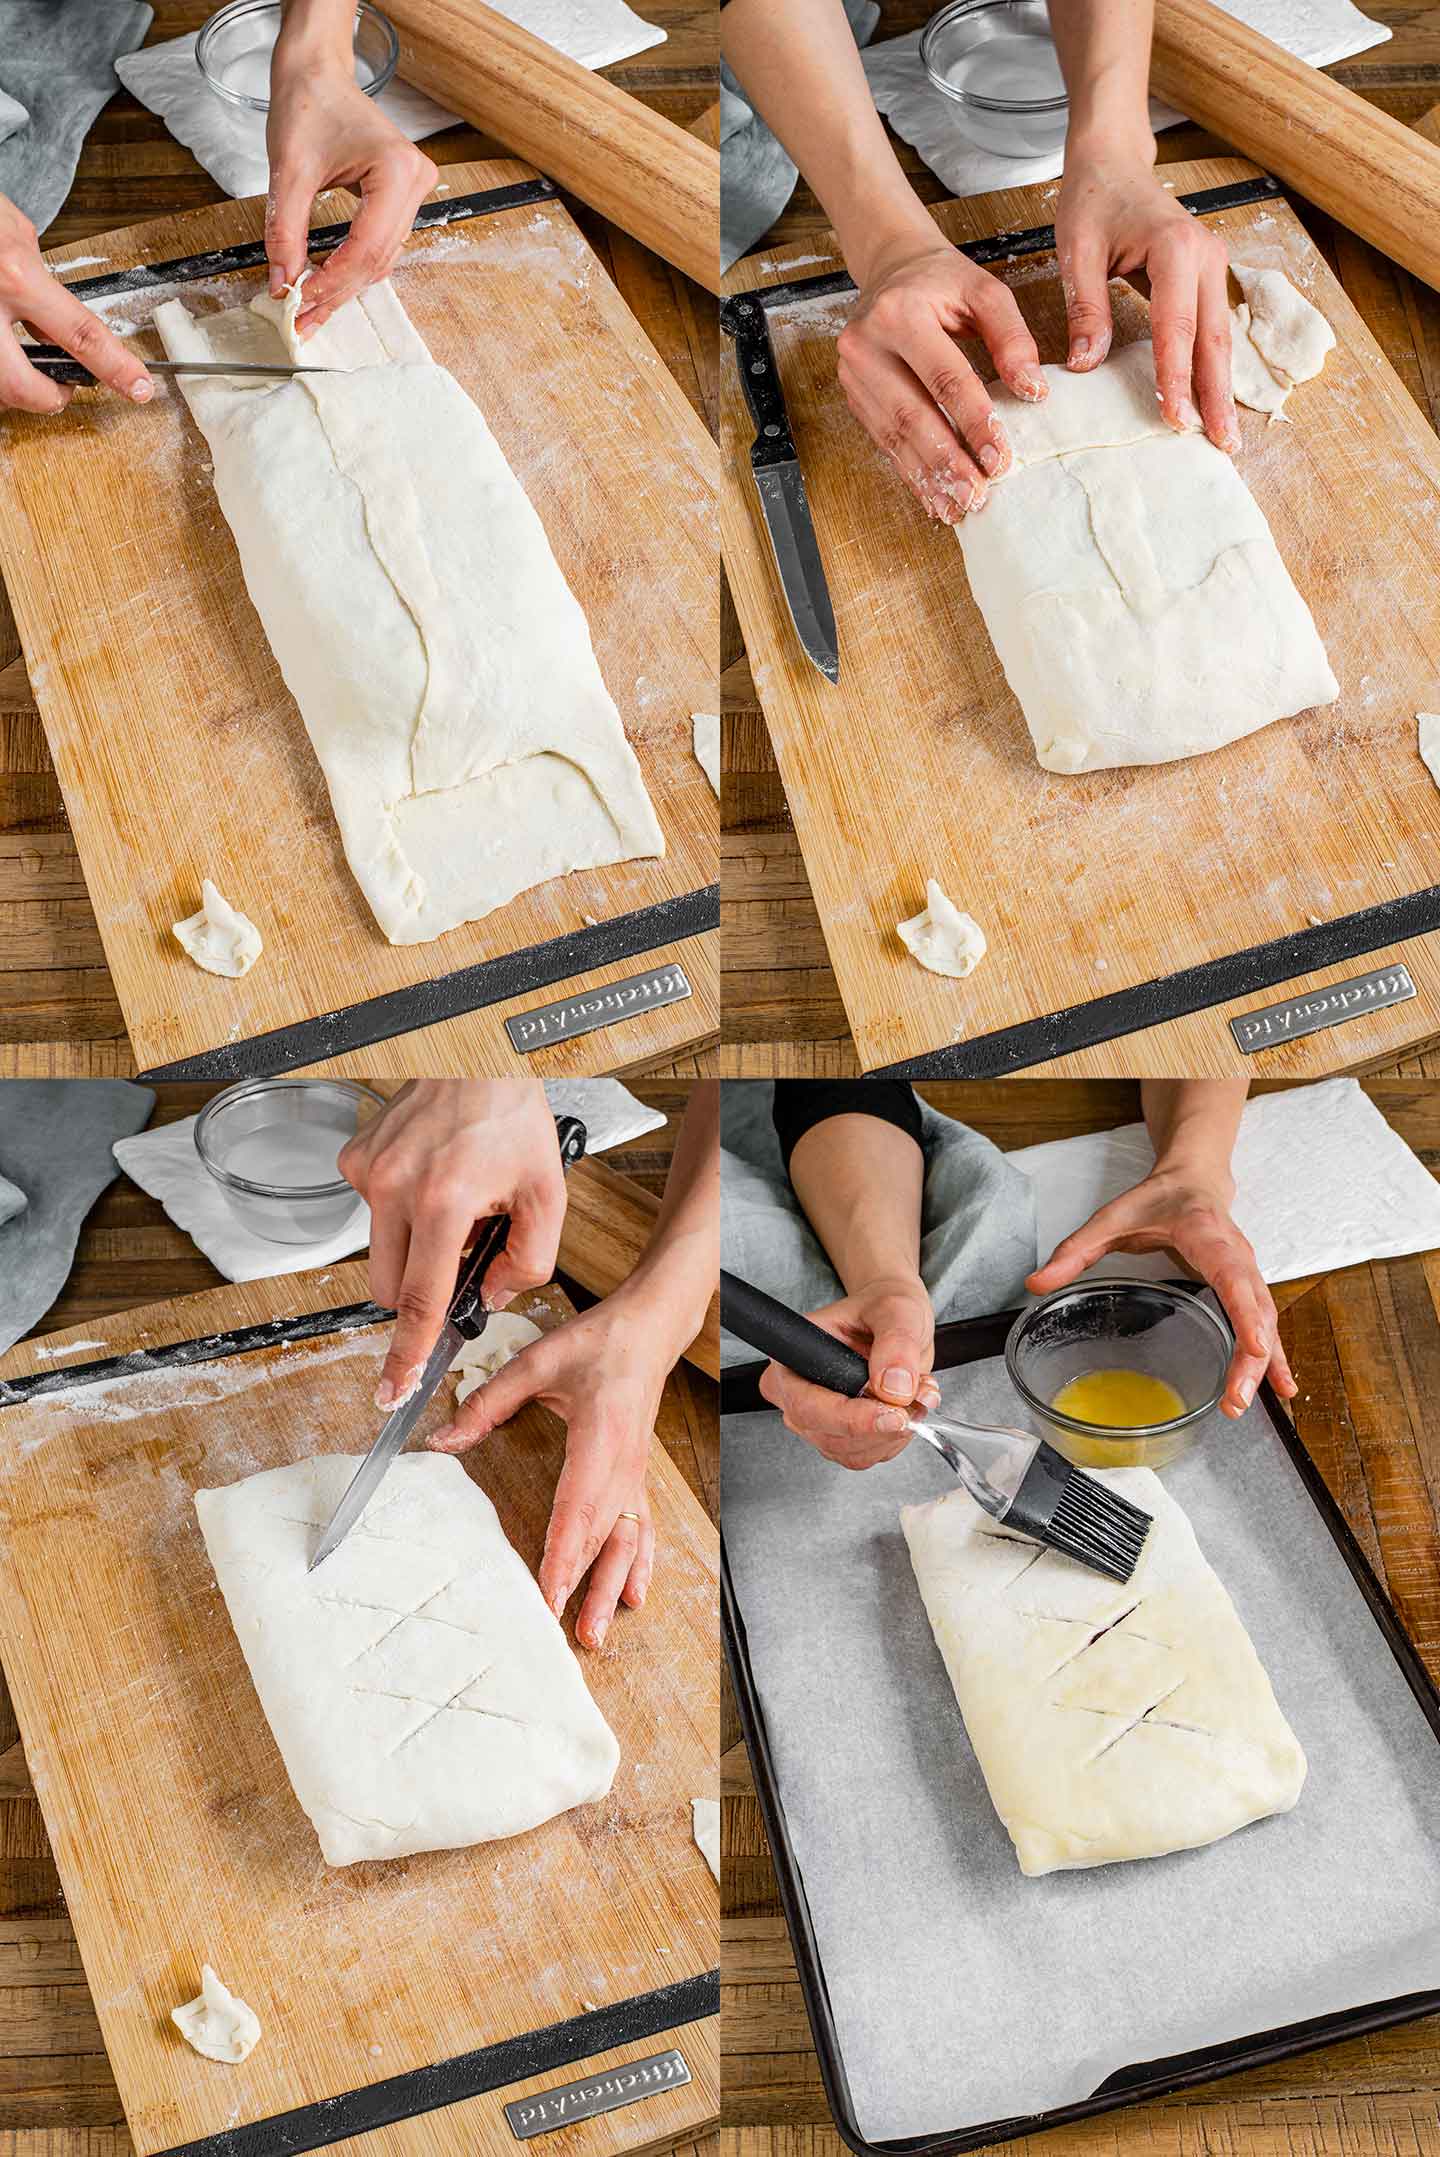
(891, 1324)
(1114, 217)
(603, 1374)
(1172, 1211)
(323, 131)
(29, 294)
(912, 388)
(444, 1154)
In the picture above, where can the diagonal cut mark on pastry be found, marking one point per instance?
(442, 667)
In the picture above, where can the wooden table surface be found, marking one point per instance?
(57, 2095)
(1364, 1344)
(58, 1012)
(783, 1014)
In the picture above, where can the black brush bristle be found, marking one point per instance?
(1059, 1504)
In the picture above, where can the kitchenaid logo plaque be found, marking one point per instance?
(549, 1023)
(572, 2101)
(1274, 1023)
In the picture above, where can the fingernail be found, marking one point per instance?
(598, 1632)
(1080, 350)
(1230, 440)
(898, 1380)
(143, 391)
(1030, 385)
(387, 1393)
(1247, 1390)
(988, 459)
(1189, 417)
(890, 1419)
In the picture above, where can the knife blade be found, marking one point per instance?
(781, 488)
(57, 365)
(465, 1320)
(780, 483)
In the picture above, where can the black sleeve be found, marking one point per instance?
(800, 1103)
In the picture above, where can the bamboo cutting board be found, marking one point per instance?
(1117, 904)
(588, 1943)
(182, 755)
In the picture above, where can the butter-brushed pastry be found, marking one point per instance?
(1109, 1722)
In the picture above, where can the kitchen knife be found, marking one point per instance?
(780, 484)
(465, 1320)
(55, 363)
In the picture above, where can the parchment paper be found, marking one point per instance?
(963, 1992)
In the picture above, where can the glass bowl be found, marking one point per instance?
(1117, 1325)
(996, 62)
(271, 1146)
(233, 51)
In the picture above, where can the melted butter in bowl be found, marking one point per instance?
(1115, 1400)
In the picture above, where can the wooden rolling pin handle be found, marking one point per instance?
(1375, 176)
(655, 180)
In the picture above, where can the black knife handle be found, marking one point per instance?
(55, 363)
(800, 1345)
(760, 380)
(467, 1312)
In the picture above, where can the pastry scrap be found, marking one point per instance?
(1277, 338)
(219, 937)
(1428, 727)
(942, 939)
(216, 2023)
(705, 1827)
(706, 726)
(505, 1335)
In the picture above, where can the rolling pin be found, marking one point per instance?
(634, 166)
(1374, 175)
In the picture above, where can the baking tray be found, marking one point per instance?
(972, 1341)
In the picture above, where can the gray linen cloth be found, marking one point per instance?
(977, 1220)
(57, 64)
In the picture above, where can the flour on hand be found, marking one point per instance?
(942, 939)
(219, 937)
(217, 2024)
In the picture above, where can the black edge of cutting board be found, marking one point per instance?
(442, 2082)
(969, 1340)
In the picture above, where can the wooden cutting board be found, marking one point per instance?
(174, 1827)
(181, 754)
(1141, 907)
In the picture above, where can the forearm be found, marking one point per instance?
(680, 1267)
(316, 34)
(798, 63)
(860, 1181)
(1192, 1125)
(1104, 49)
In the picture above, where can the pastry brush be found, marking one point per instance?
(1017, 1478)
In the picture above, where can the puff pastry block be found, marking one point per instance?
(420, 1692)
